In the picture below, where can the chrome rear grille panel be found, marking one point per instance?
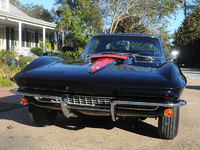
(88, 101)
(100, 103)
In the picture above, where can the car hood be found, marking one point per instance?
(111, 78)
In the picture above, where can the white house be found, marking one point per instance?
(19, 31)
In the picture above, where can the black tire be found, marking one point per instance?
(168, 126)
(41, 116)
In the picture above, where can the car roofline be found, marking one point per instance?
(128, 34)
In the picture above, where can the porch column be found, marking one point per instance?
(63, 42)
(44, 50)
(20, 38)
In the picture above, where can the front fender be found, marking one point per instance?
(42, 61)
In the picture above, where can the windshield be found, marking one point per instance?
(146, 46)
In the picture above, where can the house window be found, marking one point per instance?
(36, 39)
(23, 38)
(32, 39)
(7, 38)
(12, 38)
(27, 39)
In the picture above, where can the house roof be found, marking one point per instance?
(15, 11)
(17, 15)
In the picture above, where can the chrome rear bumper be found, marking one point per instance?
(113, 105)
(113, 110)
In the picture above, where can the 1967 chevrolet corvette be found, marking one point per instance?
(119, 75)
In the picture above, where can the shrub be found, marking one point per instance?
(2, 73)
(54, 53)
(2, 55)
(37, 51)
(6, 72)
(24, 60)
(47, 44)
(6, 55)
(67, 48)
(72, 54)
(6, 82)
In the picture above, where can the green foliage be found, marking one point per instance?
(72, 54)
(73, 61)
(47, 44)
(6, 82)
(24, 60)
(6, 72)
(37, 51)
(81, 19)
(150, 12)
(35, 11)
(165, 39)
(6, 55)
(51, 53)
(67, 48)
(131, 25)
(2, 56)
(15, 3)
(189, 32)
(187, 39)
(2, 73)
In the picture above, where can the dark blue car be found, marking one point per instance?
(119, 75)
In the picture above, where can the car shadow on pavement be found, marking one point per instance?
(78, 123)
(138, 127)
(131, 125)
(15, 99)
(12, 109)
(20, 115)
(193, 87)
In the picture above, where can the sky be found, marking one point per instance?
(48, 4)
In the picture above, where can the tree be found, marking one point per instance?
(80, 19)
(16, 3)
(35, 11)
(187, 38)
(189, 6)
(131, 25)
(149, 12)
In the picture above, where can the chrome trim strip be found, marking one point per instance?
(135, 57)
(143, 109)
(54, 101)
(16, 91)
(87, 108)
(114, 103)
